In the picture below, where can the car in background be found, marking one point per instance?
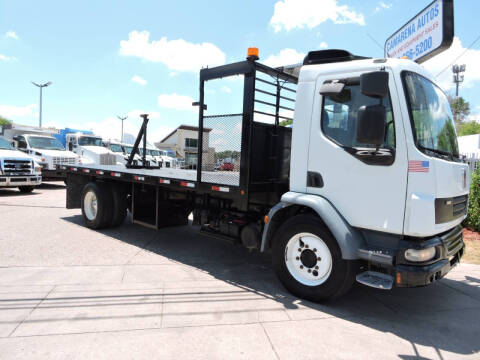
(226, 166)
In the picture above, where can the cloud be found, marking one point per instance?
(11, 35)
(226, 89)
(323, 45)
(444, 60)
(175, 101)
(218, 142)
(381, 5)
(291, 14)
(137, 79)
(13, 112)
(6, 58)
(284, 57)
(178, 55)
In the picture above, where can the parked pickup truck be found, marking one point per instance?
(17, 169)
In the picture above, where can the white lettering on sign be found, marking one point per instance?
(420, 36)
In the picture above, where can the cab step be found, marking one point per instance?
(376, 280)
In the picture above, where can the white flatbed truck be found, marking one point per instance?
(367, 185)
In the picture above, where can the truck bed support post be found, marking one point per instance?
(141, 133)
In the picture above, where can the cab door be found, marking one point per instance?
(365, 184)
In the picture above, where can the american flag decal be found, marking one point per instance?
(418, 166)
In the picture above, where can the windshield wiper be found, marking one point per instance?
(441, 152)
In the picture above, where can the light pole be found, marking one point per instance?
(122, 119)
(458, 76)
(41, 86)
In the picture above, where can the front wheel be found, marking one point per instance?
(308, 260)
(26, 189)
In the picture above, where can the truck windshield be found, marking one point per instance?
(431, 117)
(5, 145)
(128, 149)
(45, 143)
(89, 141)
(116, 148)
(155, 152)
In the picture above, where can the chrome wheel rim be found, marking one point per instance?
(308, 259)
(90, 205)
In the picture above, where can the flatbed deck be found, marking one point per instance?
(161, 175)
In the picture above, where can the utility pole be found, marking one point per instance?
(41, 86)
(122, 119)
(458, 76)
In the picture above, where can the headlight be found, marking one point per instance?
(420, 255)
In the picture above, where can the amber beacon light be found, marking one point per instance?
(252, 54)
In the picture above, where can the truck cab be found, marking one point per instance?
(91, 149)
(47, 151)
(18, 169)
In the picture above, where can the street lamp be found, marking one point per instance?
(41, 86)
(122, 119)
(458, 76)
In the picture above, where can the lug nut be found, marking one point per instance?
(314, 250)
(319, 259)
(306, 246)
(316, 267)
(309, 270)
(301, 266)
(297, 258)
(300, 250)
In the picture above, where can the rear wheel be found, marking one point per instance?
(97, 205)
(308, 260)
(26, 189)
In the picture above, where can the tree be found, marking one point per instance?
(4, 121)
(469, 128)
(460, 109)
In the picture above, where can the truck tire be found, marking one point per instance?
(97, 205)
(26, 189)
(119, 197)
(308, 260)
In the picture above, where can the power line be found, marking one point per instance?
(459, 56)
(375, 41)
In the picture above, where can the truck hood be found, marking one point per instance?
(97, 149)
(13, 154)
(56, 153)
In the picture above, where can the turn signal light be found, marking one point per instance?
(265, 219)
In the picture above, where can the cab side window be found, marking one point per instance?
(339, 118)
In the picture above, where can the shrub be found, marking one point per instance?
(473, 218)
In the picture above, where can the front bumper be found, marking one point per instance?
(53, 174)
(449, 249)
(15, 181)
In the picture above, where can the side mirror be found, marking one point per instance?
(374, 84)
(371, 124)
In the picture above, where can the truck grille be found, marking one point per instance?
(460, 205)
(63, 160)
(108, 159)
(17, 167)
(453, 241)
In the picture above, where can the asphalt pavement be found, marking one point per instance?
(67, 292)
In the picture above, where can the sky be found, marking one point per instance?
(118, 57)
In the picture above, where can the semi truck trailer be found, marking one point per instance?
(367, 185)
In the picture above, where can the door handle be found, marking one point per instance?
(314, 179)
